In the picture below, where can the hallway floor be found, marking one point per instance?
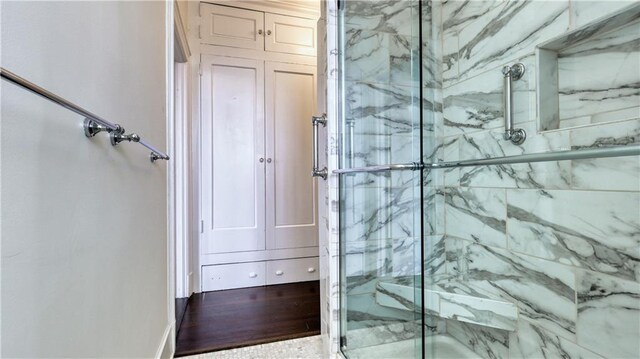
(303, 348)
(249, 316)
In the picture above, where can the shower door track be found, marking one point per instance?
(591, 153)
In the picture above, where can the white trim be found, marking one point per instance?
(182, 52)
(300, 8)
(169, 49)
(169, 334)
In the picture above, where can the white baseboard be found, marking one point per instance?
(166, 349)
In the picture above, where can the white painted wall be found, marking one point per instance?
(84, 229)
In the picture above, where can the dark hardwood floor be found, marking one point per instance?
(241, 317)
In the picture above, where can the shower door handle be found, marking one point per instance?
(315, 121)
(511, 73)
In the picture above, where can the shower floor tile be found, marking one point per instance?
(438, 346)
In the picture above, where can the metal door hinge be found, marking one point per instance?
(201, 226)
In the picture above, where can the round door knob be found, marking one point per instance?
(260, 32)
(253, 275)
(268, 32)
(268, 160)
(279, 272)
(261, 160)
(311, 269)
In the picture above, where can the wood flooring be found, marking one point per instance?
(248, 316)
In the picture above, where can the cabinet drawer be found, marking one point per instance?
(292, 35)
(292, 270)
(227, 26)
(228, 276)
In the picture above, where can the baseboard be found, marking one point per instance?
(166, 349)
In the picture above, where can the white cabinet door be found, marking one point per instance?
(291, 191)
(233, 174)
(292, 35)
(228, 26)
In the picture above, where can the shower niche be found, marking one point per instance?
(591, 75)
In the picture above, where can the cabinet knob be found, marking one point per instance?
(268, 32)
(279, 272)
(261, 160)
(260, 32)
(311, 269)
(268, 160)
(253, 275)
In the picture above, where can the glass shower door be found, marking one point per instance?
(380, 193)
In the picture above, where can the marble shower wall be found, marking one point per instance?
(561, 240)
(380, 228)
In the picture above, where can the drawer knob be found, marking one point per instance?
(311, 269)
(279, 272)
(253, 275)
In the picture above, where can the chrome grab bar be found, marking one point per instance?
(589, 153)
(511, 73)
(315, 121)
(93, 124)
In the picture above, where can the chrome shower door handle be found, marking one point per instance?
(511, 73)
(315, 121)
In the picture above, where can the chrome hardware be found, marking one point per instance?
(253, 275)
(315, 121)
(268, 32)
(268, 160)
(413, 166)
(511, 73)
(604, 152)
(261, 160)
(311, 270)
(260, 32)
(92, 128)
(92, 124)
(279, 272)
(117, 137)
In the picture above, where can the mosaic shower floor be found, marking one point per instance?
(439, 346)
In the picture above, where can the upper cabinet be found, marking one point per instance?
(293, 35)
(256, 30)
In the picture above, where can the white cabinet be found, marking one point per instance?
(233, 165)
(289, 34)
(258, 199)
(291, 191)
(228, 26)
(257, 30)
(229, 276)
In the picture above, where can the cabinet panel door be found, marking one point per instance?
(233, 177)
(228, 26)
(291, 191)
(290, 34)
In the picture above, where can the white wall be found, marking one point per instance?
(84, 229)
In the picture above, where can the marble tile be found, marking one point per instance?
(404, 62)
(367, 56)
(608, 315)
(509, 32)
(584, 12)
(544, 291)
(477, 214)
(390, 16)
(616, 83)
(590, 229)
(488, 343)
(449, 63)
(490, 144)
(532, 341)
(434, 255)
(596, 174)
(456, 14)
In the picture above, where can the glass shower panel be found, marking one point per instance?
(380, 211)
